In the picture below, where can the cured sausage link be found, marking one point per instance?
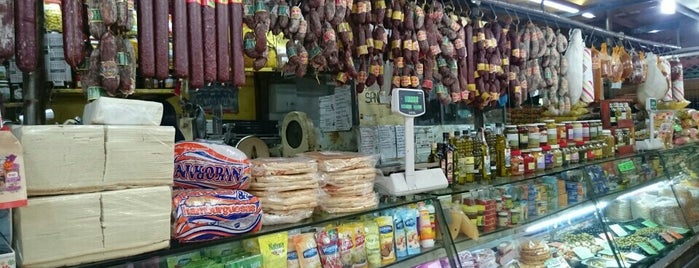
(161, 41)
(180, 39)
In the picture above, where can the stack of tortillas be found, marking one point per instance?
(347, 181)
(287, 188)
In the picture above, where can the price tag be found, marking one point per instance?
(647, 248)
(554, 262)
(630, 227)
(626, 166)
(668, 238)
(618, 230)
(635, 256)
(656, 244)
(675, 234)
(607, 252)
(583, 252)
(682, 230)
(649, 223)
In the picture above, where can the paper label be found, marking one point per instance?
(13, 191)
(583, 252)
(626, 166)
(630, 227)
(618, 230)
(649, 223)
(675, 234)
(635, 256)
(647, 248)
(656, 244)
(668, 238)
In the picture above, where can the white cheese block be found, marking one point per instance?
(117, 111)
(139, 155)
(72, 229)
(136, 217)
(58, 227)
(62, 159)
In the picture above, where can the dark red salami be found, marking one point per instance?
(161, 34)
(208, 8)
(180, 39)
(237, 63)
(196, 52)
(7, 29)
(222, 44)
(146, 38)
(109, 70)
(74, 35)
(25, 33)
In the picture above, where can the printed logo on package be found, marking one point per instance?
(13, 185)
(210, 166)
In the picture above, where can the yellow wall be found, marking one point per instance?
(68, 104)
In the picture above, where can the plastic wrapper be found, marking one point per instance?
(655, 86)
(373, 243)
(348, 204)
(266, 167)
(307, 250)
(273, 248)
(345, 242)
(667, 212)
(349, 189)
(363, 175)
(574, 56)
(117, 111)
(641, 207)
(292, 257)
(342, 161)
(279, 187)
(533, 253)
(388, 254)
(326, 238)
(619, 210)
(284, 179)
(201, 215)
(210, 166)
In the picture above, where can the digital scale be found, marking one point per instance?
(410, 103)
(652, 143)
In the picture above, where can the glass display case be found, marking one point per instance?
(638, 210)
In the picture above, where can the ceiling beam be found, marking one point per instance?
(673, 24)
(684, 10)
(610, 5)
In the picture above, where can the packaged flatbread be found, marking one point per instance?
(286, 178)
(342, 161)
(282, 166)
(273, 217)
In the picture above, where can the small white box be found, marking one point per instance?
(116, 111)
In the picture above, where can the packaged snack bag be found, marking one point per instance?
(307, 250)
(388, 254)
(372, 243)
(273, 248)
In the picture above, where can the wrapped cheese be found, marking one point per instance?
(574, 56)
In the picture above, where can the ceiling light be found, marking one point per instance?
(668, 6)
(558, 6)
(588, 15)
(654, 31)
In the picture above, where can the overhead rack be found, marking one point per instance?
(563, 20)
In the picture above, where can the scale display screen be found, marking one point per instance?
(410, 102)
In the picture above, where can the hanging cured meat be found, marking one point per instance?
(574, 56)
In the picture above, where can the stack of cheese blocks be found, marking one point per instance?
(286, 187)
(347, 181)
(96, 192)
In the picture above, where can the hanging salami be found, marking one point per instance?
(74, 36)
(26, 47)
(146, 38)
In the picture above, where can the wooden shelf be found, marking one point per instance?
(139, 91)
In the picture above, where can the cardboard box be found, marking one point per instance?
(72, 229)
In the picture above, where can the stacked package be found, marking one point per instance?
(347, 181)
(287, 188)
(95, 192)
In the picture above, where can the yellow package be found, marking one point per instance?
(372, 243)
(346, 244)
(359, 257)
(388, 253)
(307, 250)
(273, 249)
(292, 258)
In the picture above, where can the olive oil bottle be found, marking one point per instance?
(502, 149)
(466, 174)
(485, 168)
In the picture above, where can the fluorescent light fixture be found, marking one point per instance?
(558, 6)
(654, 31)
(668, 6)
(588, 15)
(568, 217)
(640, 191)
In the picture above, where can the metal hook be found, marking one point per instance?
(492, 9)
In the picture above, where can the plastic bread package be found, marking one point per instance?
(278, 166)
(342, 161)
(201, 215)
(362, 175)
(348, 204)
(200, 165)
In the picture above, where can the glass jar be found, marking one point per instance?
(585, 130)
(609, 140)
(503, 219)
(548, 157)
(599, 150)
(512, 136)
(577, 131)
(570, 136)
(529, 162)
(534, 135)
(543, 134)
(517, 167)
(593, 130)
(565, 152)
(590, 156)
(599, 127)
(552, 131)
(582, 152)
(523, 137)
(561, 132)
(574, 156)
(557, 155)
(540, 159)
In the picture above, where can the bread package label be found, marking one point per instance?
(202, 215)
(210, 166)
(13, 182)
